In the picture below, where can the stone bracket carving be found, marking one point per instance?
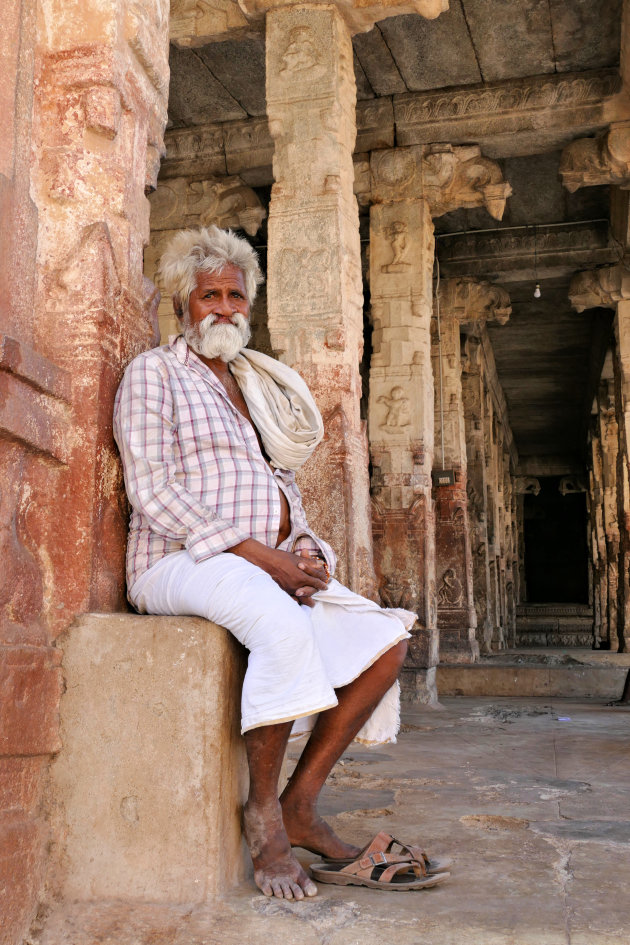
(526, 485)
(604, 159)
(447, 177)
(471, 301)
(180, 203)
(197, 22)
(600, 288)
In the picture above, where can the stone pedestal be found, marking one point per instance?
(315, 300)
(145, 795)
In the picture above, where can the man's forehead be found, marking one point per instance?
(230, 274)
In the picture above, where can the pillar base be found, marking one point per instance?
(418, 686)
(458, 646)
(146, 793)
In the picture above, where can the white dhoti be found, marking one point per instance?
(298, 655)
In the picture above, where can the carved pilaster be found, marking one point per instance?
(604, 159)
(460, 303)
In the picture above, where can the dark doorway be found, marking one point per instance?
(556, 560)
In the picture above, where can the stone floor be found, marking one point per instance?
(530, 796)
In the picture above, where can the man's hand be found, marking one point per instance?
(299, 576)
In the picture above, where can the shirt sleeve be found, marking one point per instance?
(144, 431)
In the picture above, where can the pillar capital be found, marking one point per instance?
(469, 301)
(600, 288)
(604, 159)
(447, 177)
(197, 22)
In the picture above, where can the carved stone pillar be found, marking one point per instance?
(609, 436)
(314, 285)
(408, 187)
(461, 303)
(83, 98)
(476, 487)
(609, 287)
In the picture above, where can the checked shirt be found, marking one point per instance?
(194, 473)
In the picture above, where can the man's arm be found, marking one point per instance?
(144, 430)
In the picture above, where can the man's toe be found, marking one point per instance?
(298, 892)
(310, 888)
(277, 889)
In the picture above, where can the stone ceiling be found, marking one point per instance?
(411, 70)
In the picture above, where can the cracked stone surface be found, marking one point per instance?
(529, 797)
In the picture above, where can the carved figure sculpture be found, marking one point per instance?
(396, 232)
(397, 409)
(451, 592)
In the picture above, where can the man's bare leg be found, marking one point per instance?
(333, 732)
(276, 870)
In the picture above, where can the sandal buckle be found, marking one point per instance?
(377, 859)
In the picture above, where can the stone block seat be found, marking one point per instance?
(146, 793)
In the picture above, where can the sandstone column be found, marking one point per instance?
(609, 287)
(83, 97)
(459, 302)
(314, 276)
(409, 187)
(476, 488)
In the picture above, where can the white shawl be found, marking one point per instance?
(281, 406)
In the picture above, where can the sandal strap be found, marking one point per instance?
(394, 863)
(383, 843)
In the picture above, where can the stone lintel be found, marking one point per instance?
(529, 466)
(508, 255)
(604, 159)
(497, 115)
(180, 202)
(600, 288)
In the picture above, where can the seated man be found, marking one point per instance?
(210, 435)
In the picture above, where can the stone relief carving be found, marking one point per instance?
(450, 593)
(396, 233)
(526, 485)
(599, 288)
(397, 410)
(300, 54)
(229, 202)
(472, 301)
(194, 22)
(604, 159)
(571, 484)
(524, 95)
(394, 593)
(360, 15)
(463, 177)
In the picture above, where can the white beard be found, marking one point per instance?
(218, 341)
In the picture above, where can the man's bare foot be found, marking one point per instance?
(305, 828)
(276, 870)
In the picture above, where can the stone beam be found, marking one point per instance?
(197, 22)
(604, 159)
(508, 255)
(501, 115)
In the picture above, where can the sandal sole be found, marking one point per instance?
(336, 878)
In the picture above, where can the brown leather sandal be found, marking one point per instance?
(385, 843)
(388, 871)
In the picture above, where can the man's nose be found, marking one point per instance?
(223, 306)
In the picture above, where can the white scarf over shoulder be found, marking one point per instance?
(281, 406)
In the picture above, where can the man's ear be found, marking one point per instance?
(178, 307)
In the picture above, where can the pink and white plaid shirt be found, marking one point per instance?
(194, 472)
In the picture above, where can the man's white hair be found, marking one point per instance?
(206, 250)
